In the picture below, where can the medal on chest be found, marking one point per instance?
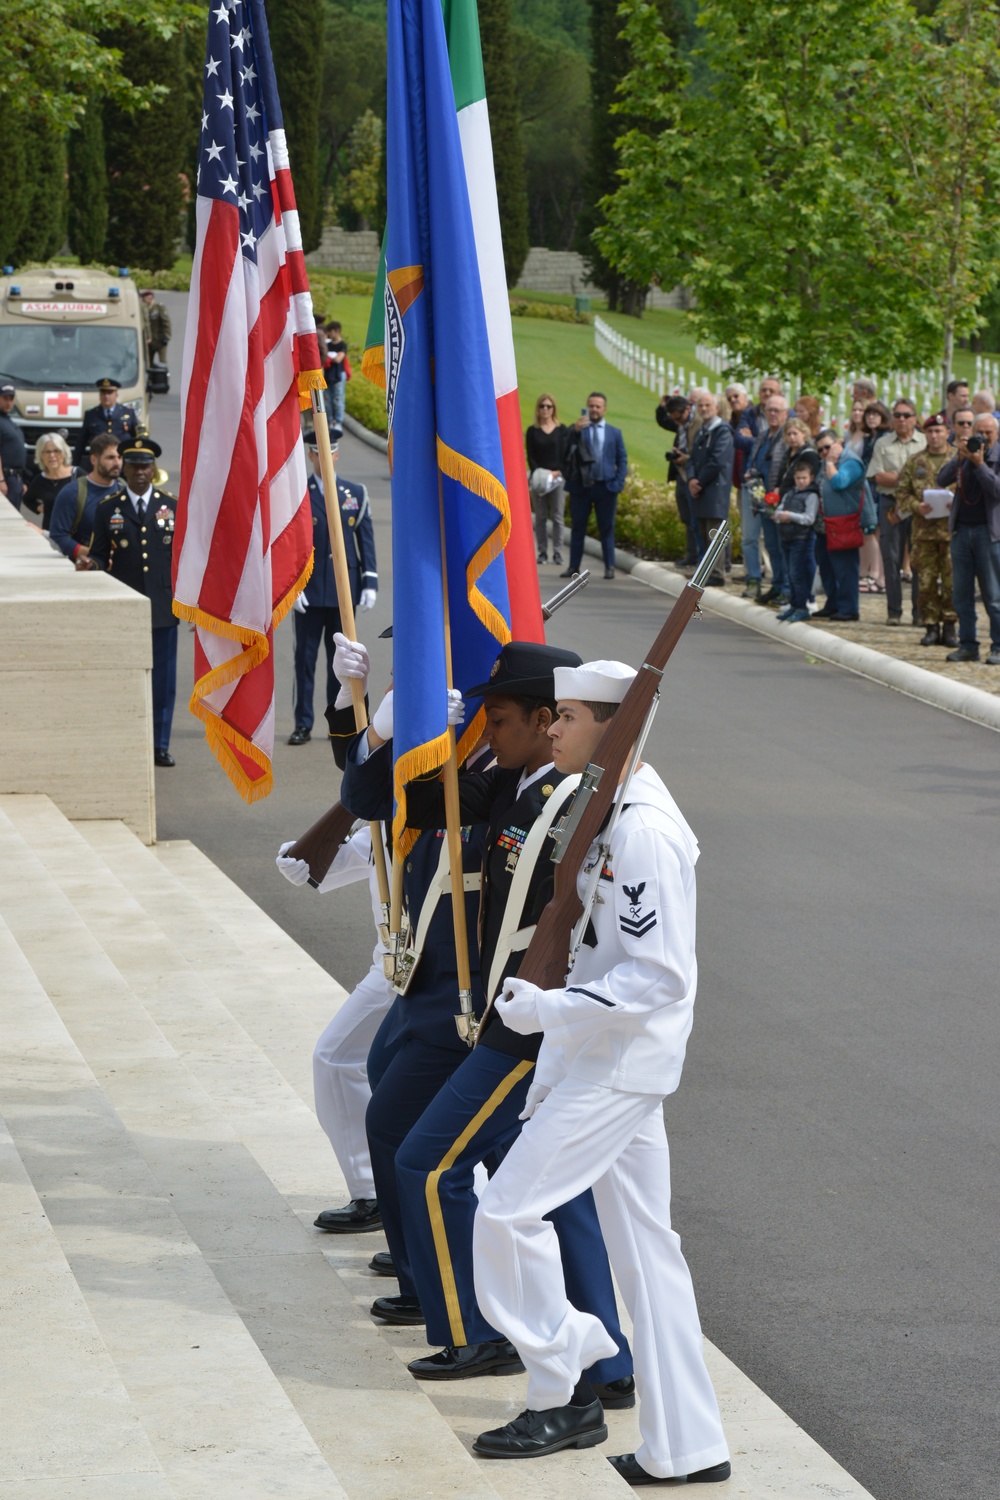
(512, 841)
(117, 522)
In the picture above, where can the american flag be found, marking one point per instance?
(244, 530)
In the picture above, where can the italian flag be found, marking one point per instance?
(461, 19)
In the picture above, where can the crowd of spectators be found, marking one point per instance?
(900, 498)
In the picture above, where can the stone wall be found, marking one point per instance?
(561, 271)
(76, 712)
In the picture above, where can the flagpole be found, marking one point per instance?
(345, 605)
(465, 1019)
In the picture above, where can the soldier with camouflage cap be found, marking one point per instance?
(930, 550)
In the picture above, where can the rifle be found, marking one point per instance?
(319, 844)
(546, 960)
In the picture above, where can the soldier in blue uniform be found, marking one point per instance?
(475, 1117)
(108, 416)
(317, 612)
(133, 541)
(417, 1045)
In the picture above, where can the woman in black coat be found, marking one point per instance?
(545, 443)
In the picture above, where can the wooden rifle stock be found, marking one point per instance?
(545, 960)
(319, 844)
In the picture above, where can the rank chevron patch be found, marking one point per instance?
(638, 922)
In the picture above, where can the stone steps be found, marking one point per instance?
(164, 1166)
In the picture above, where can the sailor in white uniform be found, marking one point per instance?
(614, 1042)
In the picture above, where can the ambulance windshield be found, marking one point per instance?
(57, 355)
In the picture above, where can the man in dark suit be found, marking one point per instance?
(133, 541)
(317, 613)
(595, 479)
(710, 474)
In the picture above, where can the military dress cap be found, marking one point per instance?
(108, 384)
(141, 451)
(594, 682)
(310, 439)
(524, 670)
(7, 389)
(937, 420)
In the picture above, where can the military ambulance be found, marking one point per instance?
(62, 329)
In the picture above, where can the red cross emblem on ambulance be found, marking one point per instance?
(62, 404)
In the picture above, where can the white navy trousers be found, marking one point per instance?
(586, 1135)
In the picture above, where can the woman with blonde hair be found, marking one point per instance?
(55, 466)
(545, 443)
(807, 410)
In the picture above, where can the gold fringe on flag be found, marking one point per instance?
(373, 365)
(309, 381)
(486, 485)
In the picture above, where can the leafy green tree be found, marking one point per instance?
(936, 224)
(353, 82)
(364, 153)
(613, 56)
(43, 230)
(88, 186)
(16, 184)
(297, 46)
(553, 88)
(145, 152)
(756, 192)
(505, 127)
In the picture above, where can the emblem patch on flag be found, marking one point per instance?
(395, 340)
(638, 922)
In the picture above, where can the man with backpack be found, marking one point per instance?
(75, 506)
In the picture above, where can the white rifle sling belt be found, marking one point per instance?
(512, 937)
(439, 886)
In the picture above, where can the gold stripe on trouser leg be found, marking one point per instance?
(497, 1097)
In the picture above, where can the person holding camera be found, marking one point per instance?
(888, 457)
(974, 524)
(673, 414)
(595, 476)
(930, 550)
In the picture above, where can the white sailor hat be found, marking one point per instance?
(594, 682)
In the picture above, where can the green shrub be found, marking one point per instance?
(363, 401)
(555, 312)
(647, 522)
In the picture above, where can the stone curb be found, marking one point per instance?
(955, 697)
(354, 427)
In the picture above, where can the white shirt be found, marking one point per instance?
(527, 780)
(139, 502)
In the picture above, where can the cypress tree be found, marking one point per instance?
(43, 227)
(610, 60)
(505, 126)
(16, 185)
(145, 154)
(296, 29)
(88, 186)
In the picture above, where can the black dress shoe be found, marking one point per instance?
(299, 736)
(163, 758)
(360, 1215)
(381, 1264)
(617, 1395)
(498, 1357)
(403, 1310)
(609, 572)
(569, 573)
(631, 1470)
(535, 1433)
(841, 619)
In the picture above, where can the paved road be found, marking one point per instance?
(836, 1133)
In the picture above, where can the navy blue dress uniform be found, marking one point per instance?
(417, 1047)
(322, 615)
(133, 541)
(436, 1162)
(119, 419)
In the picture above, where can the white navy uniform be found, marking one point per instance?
(614, 1043)
(340, 1057)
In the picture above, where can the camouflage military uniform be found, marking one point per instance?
(930, 549)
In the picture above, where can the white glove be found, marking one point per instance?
(382, 718)
(295, 870)
(350, 660)
(535, 1095)
(367, 600)
(301, 604)
(456, 707)
(517, 1007)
